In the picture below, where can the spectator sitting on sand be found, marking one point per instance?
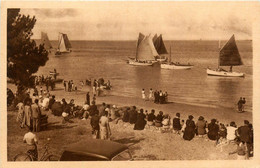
(45, 103)
(72, 107)
(222, 134)
(151, 117)
(176, 123)
(133, 115)
(189, 131)
(231, 131)
(244, 133)
(166, 122)
(213, 130)
(84, 111)
(158, 119)
(201, 126)
(64, 104)
(126, 115)
(65, 117)
(140, 122)
(51, 102)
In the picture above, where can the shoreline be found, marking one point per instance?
(142, 144)
(222, 114)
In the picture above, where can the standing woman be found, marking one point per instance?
(27, 113)
(140, 122)
(20, 115)
(189, 131)
(105, 131)
(151, 94)
(143, 94)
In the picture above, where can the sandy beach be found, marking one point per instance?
(148, 144)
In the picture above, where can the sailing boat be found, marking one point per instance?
(228, 56)
(171, 65)
(160, 48)
(63, 44)
(45, 40)
(145, 51)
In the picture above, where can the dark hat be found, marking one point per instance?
(178, 114)
(213, 120)
(191, 117)
(201, 118)
(232, 123)
(246, 122)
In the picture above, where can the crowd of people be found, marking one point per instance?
(159, 97)
(69, 86)
(31, 106)
(48, 81)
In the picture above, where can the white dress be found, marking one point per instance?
(151, 94)
(143, 94)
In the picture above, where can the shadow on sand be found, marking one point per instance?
(54, 126)
(130, 141)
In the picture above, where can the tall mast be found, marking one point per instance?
(219, 53)
(170, 58)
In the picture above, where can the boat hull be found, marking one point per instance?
(168, 66)
(161, 59)
(211, 72)
(132, 62)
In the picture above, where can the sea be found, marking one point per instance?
(107, 59)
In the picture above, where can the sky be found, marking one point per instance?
(124, 20)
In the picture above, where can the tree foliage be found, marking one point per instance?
(24, 57)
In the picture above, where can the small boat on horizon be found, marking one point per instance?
(171, 65)
(228, 56)
(64, 45)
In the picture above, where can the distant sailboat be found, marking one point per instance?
(63, 44)
(145, 51)
(228, 56)
(171, 65)
(45, 40)
(160, 48)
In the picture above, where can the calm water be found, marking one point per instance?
(106, 59)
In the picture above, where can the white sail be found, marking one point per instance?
(146, 50)
(62, 47)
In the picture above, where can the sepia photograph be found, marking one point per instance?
(129, 81)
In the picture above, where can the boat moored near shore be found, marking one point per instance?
(228, 56)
